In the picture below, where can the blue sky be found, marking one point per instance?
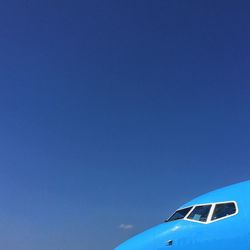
(114, 113)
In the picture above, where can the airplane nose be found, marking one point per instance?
(159, 237)
(137, 243)
(142, 241)
(147, 240)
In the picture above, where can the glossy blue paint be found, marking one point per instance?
(232, 233)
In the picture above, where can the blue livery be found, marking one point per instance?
(219, 220)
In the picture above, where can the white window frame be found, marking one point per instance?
(227, 216)
(209, 217)
(198, 205)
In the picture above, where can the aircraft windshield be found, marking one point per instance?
(200, 213)
(179, 214)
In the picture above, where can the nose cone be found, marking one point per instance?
(136, 244)
(142, 241)
(148, 240)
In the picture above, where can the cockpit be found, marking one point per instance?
(206, 213)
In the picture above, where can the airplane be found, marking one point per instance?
(218, 220)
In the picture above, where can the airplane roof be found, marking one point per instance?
(233, 192)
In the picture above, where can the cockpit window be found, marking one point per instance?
(206, 213)
(224, 210)
(179, 214)
(200, 213)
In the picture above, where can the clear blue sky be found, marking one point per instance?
(117, 112)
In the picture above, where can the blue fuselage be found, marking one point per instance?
(229, 233)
